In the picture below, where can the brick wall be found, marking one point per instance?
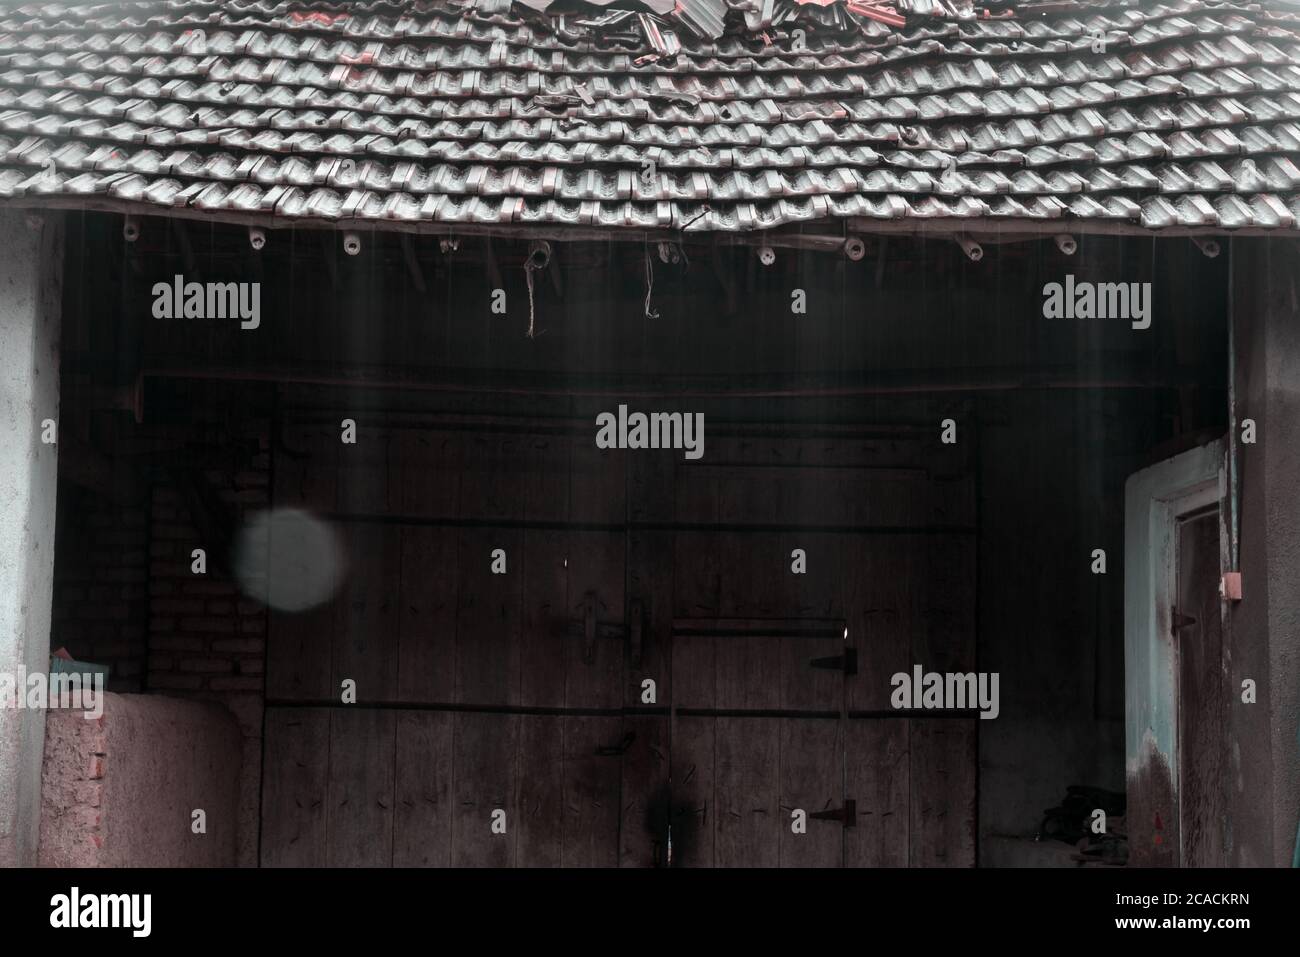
(206, 639)
(125, 595)
(101, 594)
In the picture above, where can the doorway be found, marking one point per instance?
(1173, 660)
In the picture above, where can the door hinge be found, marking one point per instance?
(847, 662)
(847, 815)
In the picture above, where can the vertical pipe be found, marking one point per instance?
(1233, 535)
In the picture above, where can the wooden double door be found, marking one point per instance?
(564, 656)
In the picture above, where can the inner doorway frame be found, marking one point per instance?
(1155, 500)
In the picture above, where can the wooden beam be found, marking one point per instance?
(791, 235)
(899, 382)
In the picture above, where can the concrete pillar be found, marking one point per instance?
(31, 261)
(1263, 638)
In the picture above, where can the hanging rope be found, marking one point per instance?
(529, 269)
(649, 285)
(539, 257)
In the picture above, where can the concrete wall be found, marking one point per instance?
(31, 255)
(120, 790)
(1262, 641)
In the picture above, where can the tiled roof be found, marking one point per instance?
(727, 115)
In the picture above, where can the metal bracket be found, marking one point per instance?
(1178, 621)
(589, 629)
(847, 815)
(847, 662)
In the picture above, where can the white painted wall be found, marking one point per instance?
(31, 259)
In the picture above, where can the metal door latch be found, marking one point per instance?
(614, 750)
(847, 662)
(589, 629)
(847, 815)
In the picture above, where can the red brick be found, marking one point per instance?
(177, 643)
(124, 574)
(236, 683)
(208, 625)
(197, 586)
(169, 682)
(178, 606)
(177, 532)
(206, 665)
(247, 646)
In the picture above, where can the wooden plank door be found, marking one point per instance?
(757, 743)
(647, 679)
(788, 552)
(488, 728)
(1199, 641)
